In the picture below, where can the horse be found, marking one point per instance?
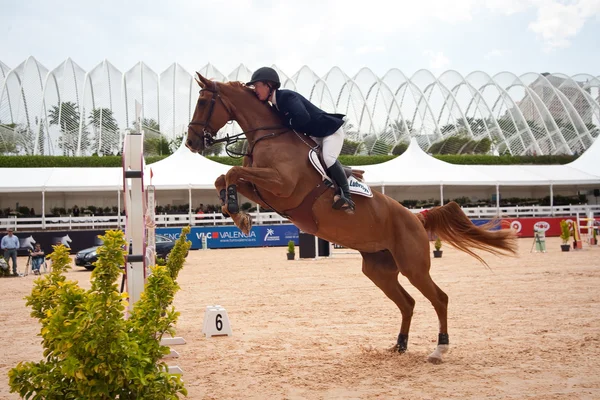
(277, 174)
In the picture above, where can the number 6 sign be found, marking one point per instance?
(216, 322)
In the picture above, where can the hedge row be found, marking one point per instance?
(115, 161)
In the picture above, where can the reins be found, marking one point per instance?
(208, 133)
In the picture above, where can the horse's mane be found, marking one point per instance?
(240, 86)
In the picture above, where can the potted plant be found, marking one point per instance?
(291, 253)
(437, 253)
(594, 239)
(565, 234)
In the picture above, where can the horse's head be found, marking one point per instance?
(210, 115)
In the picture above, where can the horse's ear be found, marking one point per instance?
(204, 82)
(201, 80)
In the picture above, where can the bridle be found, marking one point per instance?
(208, 133)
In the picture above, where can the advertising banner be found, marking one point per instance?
(525, 227)
(220, 237)
(74, 240)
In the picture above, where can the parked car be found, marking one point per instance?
(87, 257)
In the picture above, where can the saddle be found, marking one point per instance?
(302, 216)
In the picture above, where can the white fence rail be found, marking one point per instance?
(265, 218)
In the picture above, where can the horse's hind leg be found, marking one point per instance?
(423, 282)
(381, 268)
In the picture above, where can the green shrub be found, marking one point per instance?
(399, 148)
(116, 161)
(90, 350)
(437, 244)
(291, 247)
(565, 231)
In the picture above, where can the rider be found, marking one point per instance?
(301, 115)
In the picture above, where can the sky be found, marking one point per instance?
(519, 36)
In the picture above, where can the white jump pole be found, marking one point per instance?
(150, 224)
(135, 211)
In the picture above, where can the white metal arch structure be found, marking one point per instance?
(21, 102)
(240, 74)
(514, 141)
(425, 112)
(544, 105)
(452, 107)
(534, 112)
(394, 78)
(589, 109)
(541, 113)
(591, 87)
(480, 110)
(177, 96)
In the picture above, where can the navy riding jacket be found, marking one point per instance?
(303, 116)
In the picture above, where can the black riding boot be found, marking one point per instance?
(336, 172)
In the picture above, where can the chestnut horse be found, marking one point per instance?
(277, 174)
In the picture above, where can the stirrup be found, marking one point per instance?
(343, 203)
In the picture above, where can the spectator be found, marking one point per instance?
(200, 212)
(75, 211)
(37, 258)
(10, 244)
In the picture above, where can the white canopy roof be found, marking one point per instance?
(24, 179)
(416, 168)
(84, 180)
(187, 170)
(184, 169)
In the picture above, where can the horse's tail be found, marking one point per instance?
(451, 224)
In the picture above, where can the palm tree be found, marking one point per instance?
(67, 117)
(106, 131)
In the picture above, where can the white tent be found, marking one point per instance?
(416, 168)
(186, 170)
(84, 180)
(22, 180)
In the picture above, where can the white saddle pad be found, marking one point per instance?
(356, 187)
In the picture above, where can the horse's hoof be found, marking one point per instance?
(434, 359)
(246, 224)
(224, 211)
(436, 356)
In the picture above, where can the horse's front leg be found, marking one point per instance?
(241, 219)
(242, 179)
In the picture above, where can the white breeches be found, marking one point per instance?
(331, 146)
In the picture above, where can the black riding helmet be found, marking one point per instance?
(265, 74)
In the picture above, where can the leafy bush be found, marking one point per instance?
(291, 247)
(437, 244)
(90, 351)
(116, 161)
(565, 231)
(399, 148)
